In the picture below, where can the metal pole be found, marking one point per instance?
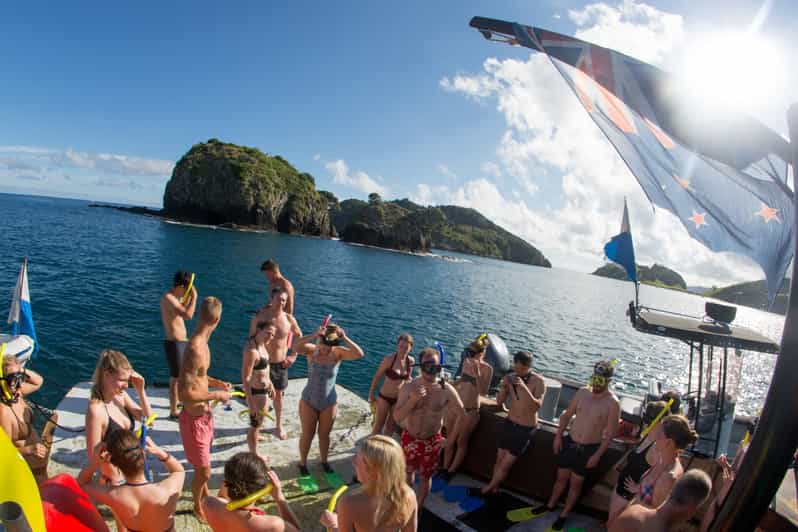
(773, 444)
(690, 370)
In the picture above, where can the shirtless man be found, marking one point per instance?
(16, 417)
(420, 408)
(689, 492)
(285, 327)
(271, 270)
(524, 391)
(196, 418)
(597, 413)
(173, 314)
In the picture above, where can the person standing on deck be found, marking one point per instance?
(255, 380)
(597, 412)
(420, 408)
(16, 417)
(196, 418)
(398, 371)
(271, 270)
(285, 327)
(473, 383)
(688, 494)
(173, 315)
(524, 390)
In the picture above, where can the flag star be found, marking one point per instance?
(698, 219)
(768, 213)
(684, 183)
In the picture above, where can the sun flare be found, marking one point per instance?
(733, 70)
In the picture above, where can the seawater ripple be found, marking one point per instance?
(96, 276)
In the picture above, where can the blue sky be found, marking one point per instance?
(100, 99)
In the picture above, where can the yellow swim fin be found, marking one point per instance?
(520, 515)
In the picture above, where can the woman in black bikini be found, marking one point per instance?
(111, 408)
(137, 504)
(474, 381)
(397, 370)
(255, 378)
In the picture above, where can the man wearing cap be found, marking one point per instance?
(597, 412)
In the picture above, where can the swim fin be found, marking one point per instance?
(438, 483)
(334, 480)
(308, 484)
(521, 515)
(470, 503)
(455, 493)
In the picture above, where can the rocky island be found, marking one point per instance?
(217, 183)
(656, 275)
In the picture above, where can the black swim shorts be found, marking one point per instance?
(174, 356)
(515, 438)
(278, 375)
(574, 456)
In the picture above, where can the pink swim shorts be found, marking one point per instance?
(197, 436)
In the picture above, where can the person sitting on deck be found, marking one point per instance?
(256, 382)
(111, 408)
(16, 417)
(420, 408)
(318, 406)
(384, 501)
(397, 370)
(524, 390)
(689, 492)
(244, 475)
(137, 504)
(597, 412)
(656, 483)
(474, 382)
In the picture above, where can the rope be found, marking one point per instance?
(47, 414)
(349, 432)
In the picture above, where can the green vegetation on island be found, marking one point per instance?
(402, 224)
(218, 183)
(753, 294)
(656, 275)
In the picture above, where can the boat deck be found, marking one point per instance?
(353, 423)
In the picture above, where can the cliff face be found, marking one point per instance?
(219, 183)
(404, 225)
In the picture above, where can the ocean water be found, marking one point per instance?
(96, 276)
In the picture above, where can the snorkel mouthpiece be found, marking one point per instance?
(602, 373)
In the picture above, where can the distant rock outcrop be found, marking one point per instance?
(753, 294)
(404, 225)
(218, 183)
(655, 275)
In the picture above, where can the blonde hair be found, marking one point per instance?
(9, 360)
(210, 310)
(110, 362)
(385, 461)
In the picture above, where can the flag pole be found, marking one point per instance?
(773, 444)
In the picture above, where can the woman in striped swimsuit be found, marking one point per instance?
(319, 404)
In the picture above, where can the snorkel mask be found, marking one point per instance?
(10, 383)
(602, 373)
(330, 336)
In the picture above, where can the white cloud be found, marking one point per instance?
(110, 163)
(316, 156)
(446, 172)
(491, 169)
(357, 180)
(547, 130)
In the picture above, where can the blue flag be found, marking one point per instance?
(20, 315)
(620, 248)
(723, 175)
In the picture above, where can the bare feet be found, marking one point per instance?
(281, 433)
(200, 515)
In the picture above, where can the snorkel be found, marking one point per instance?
(8, 390)
(187, 293)
(334, 500)
(246, 501)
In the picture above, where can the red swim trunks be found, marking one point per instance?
(197, 436)
(422, 455)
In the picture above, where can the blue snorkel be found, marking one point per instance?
(147, 472)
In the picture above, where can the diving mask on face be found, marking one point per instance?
(430, 368)
(603, 372)
(4, 387)
(330, 336)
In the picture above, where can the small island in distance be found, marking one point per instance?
(750, 294)
(239, 187)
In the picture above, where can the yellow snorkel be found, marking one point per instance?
(265, 413)
(187, 294)
(653, 424)
(246, 501)
(334, 499)
(146, 423)
(232, 394)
